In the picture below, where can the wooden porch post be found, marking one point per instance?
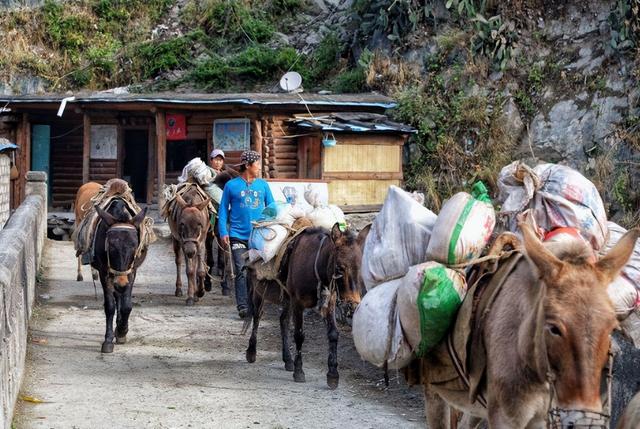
(161, 154)
(256, 137)
(86, 146)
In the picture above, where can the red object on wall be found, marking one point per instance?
(176, 126)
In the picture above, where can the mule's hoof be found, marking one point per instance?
(207, 284)
(178, 292)
(107, 347)
(288, 365)
(200, 293)
(95, 275)
(79, 278)
(332, 382)
(251, 356)
(298, 377)
(190, 302)
(121, 340)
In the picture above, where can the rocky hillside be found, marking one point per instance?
(484, 81)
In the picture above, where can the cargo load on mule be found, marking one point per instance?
(424, 262)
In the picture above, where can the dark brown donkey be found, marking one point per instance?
(117, 256)
(317, 260)
(189, 224)
(549, 326)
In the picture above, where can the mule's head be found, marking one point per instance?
(193, 224)
(574, 318)
(121, 240)
(348, 259)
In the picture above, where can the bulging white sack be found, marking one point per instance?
(377, 333)
(398, 238)
(327, 216)
(266, 241)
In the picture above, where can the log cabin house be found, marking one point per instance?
(147, 139)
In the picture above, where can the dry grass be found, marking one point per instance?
(387, 74)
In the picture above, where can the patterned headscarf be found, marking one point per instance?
(249, 156)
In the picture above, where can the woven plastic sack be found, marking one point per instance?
(197, 170)
(376, 330)
(428, 302)
(632, 269)
(463, 228)
(327, 216)
(398, 238)
(624, 296)
(557, 195)
(266, 241)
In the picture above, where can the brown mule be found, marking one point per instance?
(81, 207)
(189, 225)
(316, 259)
(549, 325)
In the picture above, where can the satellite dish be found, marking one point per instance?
(291, 81)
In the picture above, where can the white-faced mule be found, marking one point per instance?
(117, 256)
(542, 341)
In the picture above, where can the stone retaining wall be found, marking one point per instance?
(22, 240)
(5, 186)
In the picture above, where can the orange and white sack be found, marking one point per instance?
(376, 330)
(557, 195)
(463, 228)
(398, 238)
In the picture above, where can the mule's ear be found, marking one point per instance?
(362, 235)
(106, 217)
(137, 219)
(611, 264)
(336, 232)
(202, 205)
(181, 202)
(547, 263)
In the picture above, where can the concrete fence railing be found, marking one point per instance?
(21, 243)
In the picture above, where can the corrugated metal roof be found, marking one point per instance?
(352, 122)
(260, 99)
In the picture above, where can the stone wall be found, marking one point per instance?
(5, 186)
(20, 257)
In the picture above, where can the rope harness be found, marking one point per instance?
(324, 292)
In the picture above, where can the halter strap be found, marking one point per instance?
(119, 226)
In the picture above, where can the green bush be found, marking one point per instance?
(157, 57)
(351, 81)
(211, 74)
(324, 61)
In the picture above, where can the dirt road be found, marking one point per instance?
(185, 367)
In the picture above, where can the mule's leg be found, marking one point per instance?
(177, 251)
(79, 277)
(192, 265)
(109, 311)
(123, 315)
(257, 314)
(94, 273)
(437, 410)
(298, 336)
(332, 335)
(285, 316)
(202, 271)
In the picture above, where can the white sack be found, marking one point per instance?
(326, 216)
(398, 238)
(624, 296)
(376, 329)
(266, 241)
(462, 230)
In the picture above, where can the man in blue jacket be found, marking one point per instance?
(243, 200)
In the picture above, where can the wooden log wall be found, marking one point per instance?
(280, 151)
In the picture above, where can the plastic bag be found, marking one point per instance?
(312, 197)
(428, 302)
(376, 330)
(463, 228)
(557, 195)
(278, 212)
(398, 238)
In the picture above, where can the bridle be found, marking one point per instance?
(121, 227)
(324, 292)
(556, 417)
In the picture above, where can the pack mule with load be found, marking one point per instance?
(531, 340)
(319, 269)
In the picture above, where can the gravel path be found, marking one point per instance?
(185, 367)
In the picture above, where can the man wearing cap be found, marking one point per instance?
(216, 164)
(216, 160)
(243, 200)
